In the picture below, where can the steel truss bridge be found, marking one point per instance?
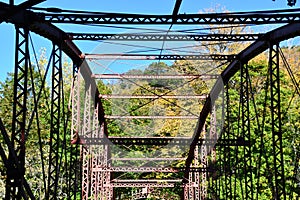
(218, 161)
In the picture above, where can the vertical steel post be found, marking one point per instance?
(275, 109)
(14, 183)
(86, 149)
(227, 151)
(74, 165)
(213, 136)
(220, 164)
(190, 184)
(185, 191)
(245, 129)
(55, 119)
(75, 125)
(100, 174)
(107, 173)
(196, 182)
(95, 174)
(203, 164)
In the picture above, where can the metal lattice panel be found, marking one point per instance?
(241, 18)
(162, 37)
(158, 57)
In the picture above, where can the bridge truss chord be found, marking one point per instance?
(162, 37)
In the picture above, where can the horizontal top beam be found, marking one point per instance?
(150, 117)
(143, 185)
(113, 140)
(157, 57)
(204, 18)
(146, 159)
(150, 169)
(147, 180)
(117, 96)
(164, 37)
(152, 76)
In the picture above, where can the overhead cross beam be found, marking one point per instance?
(151, 169)
(162, 141)
(188, 19)
(115, 96)
(146, 76)
(163, 37)
(158, 57)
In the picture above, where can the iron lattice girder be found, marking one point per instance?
(163, 76)
(135, 185)
(275, 108)
(227, 151)
(162, 141)
(16, 170)
(164, 37)
(86, 158)
(147, 183)
(212, 18)
(151, 169)
(150, 117)
(245, 128)
(158, 57)
(55, 120)
(115, 96)
(146, 159)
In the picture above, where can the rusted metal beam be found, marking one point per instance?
(150, 169)
(146, 180)
(16, 171)
(162, 76)
(145, 159)
(158, 57)
(275, 17)
(164, 37)
(135, 185)
(150, 117)
(116, 96)
(162, 141)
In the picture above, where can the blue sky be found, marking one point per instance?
(7, 35)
